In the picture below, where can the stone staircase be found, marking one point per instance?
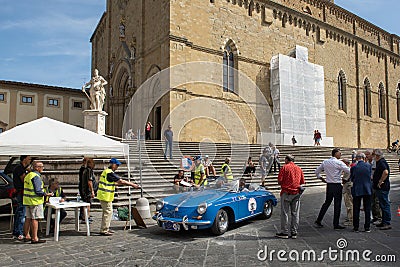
(157, 173)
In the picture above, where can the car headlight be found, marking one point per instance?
(201, 209)
(159, 205)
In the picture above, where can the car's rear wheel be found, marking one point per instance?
(221, 222)
(267, 209)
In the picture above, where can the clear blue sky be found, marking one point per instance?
(47, 41)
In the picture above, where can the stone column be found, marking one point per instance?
(95, 121)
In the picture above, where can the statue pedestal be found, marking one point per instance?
(95, 121)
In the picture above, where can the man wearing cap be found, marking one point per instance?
(333, 169)
(290, 178)
(105, 193)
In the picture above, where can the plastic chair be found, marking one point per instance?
(8, 201)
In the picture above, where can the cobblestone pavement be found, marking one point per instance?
(241, 246)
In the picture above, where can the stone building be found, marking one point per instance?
(24, 102)
(136, 39)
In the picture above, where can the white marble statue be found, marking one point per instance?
(97, 91)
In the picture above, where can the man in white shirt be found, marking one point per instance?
(275, 156)
(333, 169)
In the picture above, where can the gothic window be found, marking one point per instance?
(381, 101)
(342, 91)
(367, 98)
(229, 68)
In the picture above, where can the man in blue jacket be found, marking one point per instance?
(360, 175)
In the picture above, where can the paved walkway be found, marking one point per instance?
(244, 245)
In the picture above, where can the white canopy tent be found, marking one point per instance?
(48, 137)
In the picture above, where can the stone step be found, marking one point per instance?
(157, 173)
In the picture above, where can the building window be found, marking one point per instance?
(2, 97)
(381, 101)
(27, 99)
(78, 104)
(1, 130)
(398, 101)
(342, 91)
(53, 102)
(229, 68)
(367, 98)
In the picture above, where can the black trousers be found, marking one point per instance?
(333, 192)
(147, 135)
(356, 211)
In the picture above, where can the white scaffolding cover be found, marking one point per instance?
(297, 90)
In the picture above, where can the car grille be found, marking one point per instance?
(169, 211)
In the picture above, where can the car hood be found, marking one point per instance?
(189, 199)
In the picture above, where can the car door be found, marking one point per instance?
(245, 203)
(250, 203)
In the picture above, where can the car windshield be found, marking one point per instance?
(219, 183)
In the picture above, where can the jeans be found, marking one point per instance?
(367, 210)
(383, 197)
(333, 191)
(168, 144)
(290, 203)
(19, 217)
(376, 210)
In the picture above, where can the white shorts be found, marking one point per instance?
(34, 212)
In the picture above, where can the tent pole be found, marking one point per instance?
(129, 191)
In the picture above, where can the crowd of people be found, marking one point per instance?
(31, 195)
(362, 182)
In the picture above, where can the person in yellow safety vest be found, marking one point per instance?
(55, 188)
(33, 200)
(226, 170)
(199, 173)
(105, 193)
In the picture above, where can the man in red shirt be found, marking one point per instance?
(290, 178)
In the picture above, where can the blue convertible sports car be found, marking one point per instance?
(214, 206)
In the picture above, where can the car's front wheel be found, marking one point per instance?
(221, 222)
(267, 210)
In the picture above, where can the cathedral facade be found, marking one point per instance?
(135, 40)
